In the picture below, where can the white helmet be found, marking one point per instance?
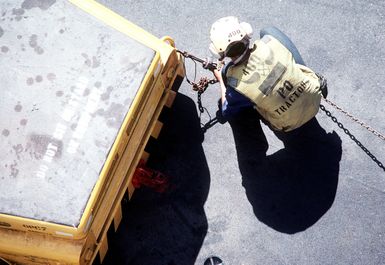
(226, 31)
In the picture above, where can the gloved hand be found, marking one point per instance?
(323, 84)
(209, 65)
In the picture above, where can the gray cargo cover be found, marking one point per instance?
(66, 84)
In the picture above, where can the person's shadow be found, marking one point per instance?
(168, 228)
(293, 188)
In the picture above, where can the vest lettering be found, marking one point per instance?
(288, 86)
(300, 89)
(280, 92)
(286, 94)
(252, 64)
(292, 98)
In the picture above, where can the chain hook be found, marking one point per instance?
(203, 82)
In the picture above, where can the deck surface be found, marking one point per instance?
(326, 207)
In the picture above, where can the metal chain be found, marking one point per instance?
(370, 129)
(203, 82)
(340, 125)
(199, 101)
(202, 85)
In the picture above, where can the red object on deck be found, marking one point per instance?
(144, 176)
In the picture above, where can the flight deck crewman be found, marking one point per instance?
(268, 75)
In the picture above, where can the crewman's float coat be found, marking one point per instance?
(286, 94)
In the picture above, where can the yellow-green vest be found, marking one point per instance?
(286, 94)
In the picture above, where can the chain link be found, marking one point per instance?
(341, 126)
(370, 129)
(199, 101)
(203, 82)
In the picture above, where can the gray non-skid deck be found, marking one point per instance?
(320, 201)
(67, 82)
(320, 206)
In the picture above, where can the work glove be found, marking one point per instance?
(323, 85)
(209, 65)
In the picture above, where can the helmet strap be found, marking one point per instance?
(242, 56)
